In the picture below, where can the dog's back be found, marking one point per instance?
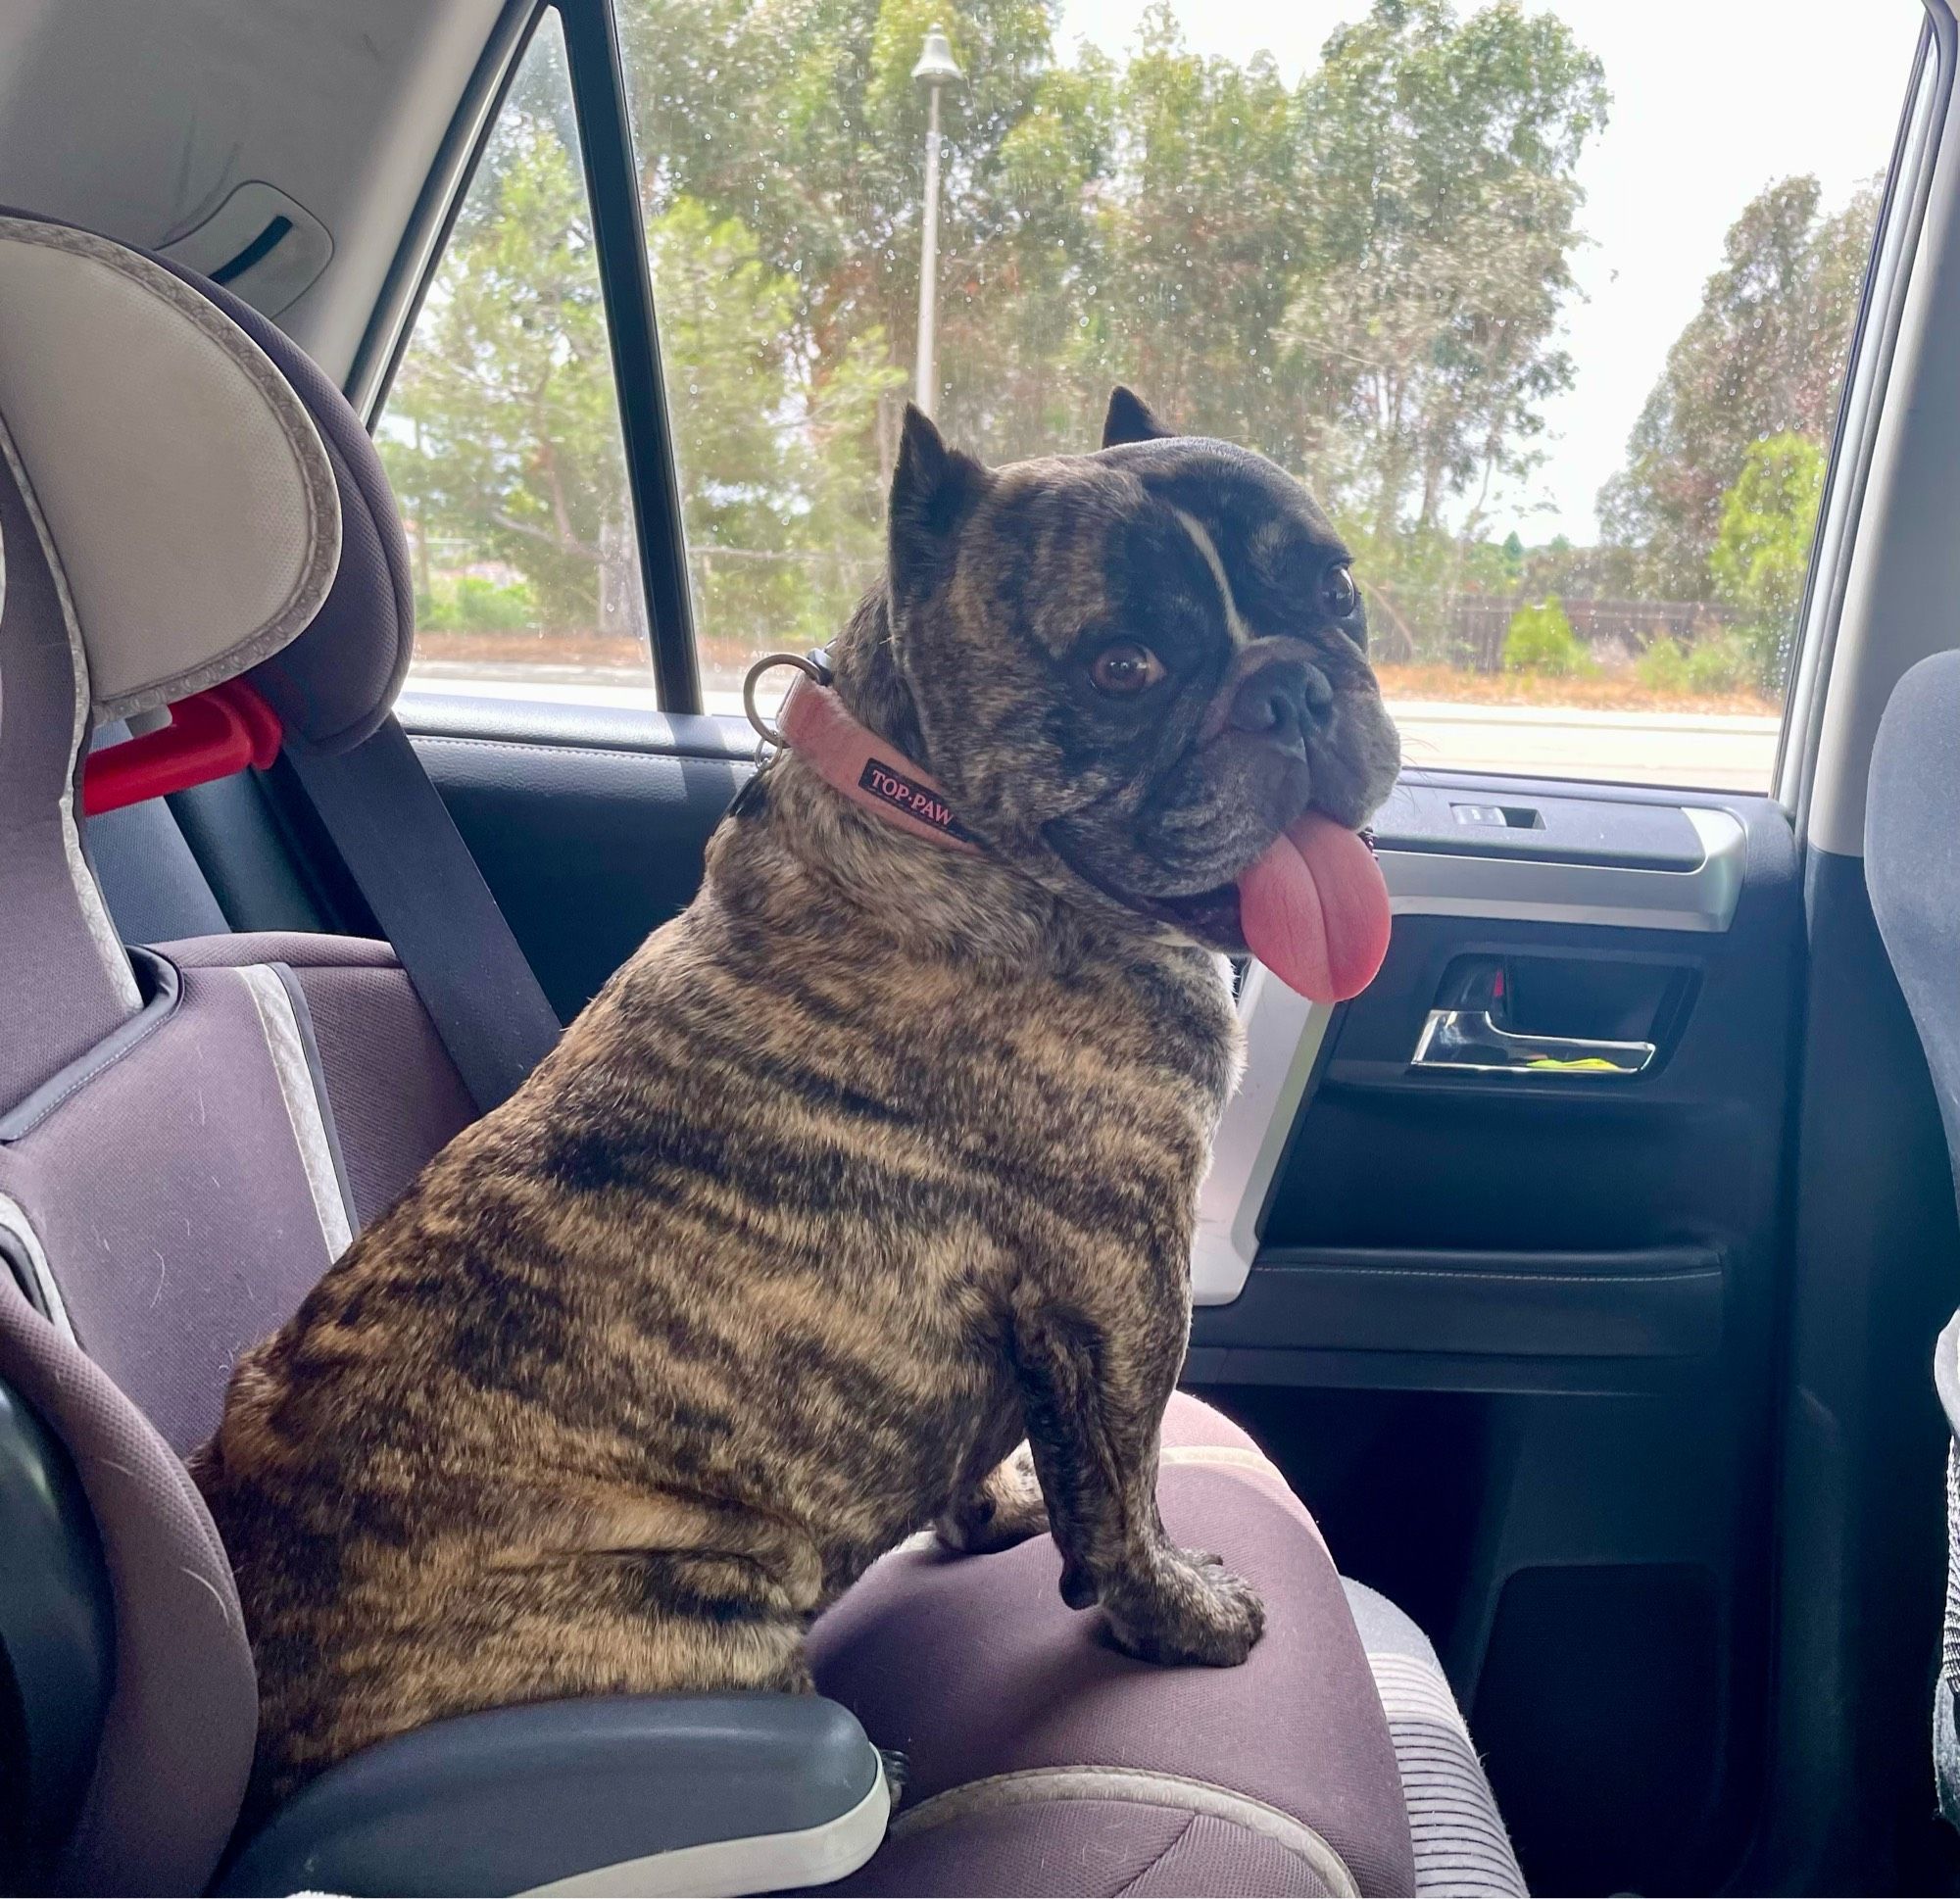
(657, 1358)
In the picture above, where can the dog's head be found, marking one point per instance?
(1139, 670)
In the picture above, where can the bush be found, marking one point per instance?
(486, 608)
(472, 605)
(1541, 640)
(1724, 663)
(1663, 666)
(1762, 553)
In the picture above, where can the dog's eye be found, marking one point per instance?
(1125, 669)
(1338, 592)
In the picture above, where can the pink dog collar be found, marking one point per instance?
(852, 759)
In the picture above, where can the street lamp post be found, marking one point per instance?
(935, 67)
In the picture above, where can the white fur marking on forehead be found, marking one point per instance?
(1234, 625)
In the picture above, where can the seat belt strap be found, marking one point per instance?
(403, 849)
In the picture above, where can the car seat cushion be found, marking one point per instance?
(1015, 1712)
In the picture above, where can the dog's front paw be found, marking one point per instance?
(1006, 1509)
(1188, 1607)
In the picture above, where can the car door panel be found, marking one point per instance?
(1582, 1270)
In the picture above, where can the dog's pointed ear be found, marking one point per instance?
(1130, 419)
(933, 489)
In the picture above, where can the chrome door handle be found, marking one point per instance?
(1466, 1042)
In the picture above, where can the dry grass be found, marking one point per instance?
(1607, 692)
(1614, 692)
(534, 649)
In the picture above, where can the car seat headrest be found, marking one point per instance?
(183, 494)
(198, 402)
(184, 499)
(334, 684)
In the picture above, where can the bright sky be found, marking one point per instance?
(1712, 99)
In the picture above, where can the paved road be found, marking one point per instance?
(1707, 749)
(1719, 751)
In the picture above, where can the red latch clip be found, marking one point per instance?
(211, 735)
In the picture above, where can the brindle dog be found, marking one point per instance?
(879, 1159)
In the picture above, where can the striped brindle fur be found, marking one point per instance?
(877, 1161)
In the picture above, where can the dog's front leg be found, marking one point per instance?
(1094, 1391)
(1005, 1507)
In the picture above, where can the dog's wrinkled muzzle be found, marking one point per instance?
(1273, 689)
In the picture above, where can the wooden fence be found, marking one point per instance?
(1467, 630)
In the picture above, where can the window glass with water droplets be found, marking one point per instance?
(501, 434)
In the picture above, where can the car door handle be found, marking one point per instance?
(1466, 1042)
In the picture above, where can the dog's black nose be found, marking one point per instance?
(1281, 700)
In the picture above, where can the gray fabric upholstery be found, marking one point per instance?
(1080, 1847)
(169, 1194)
(202, 1234)
(1946, 1691)
(396, 1099)
(973, 1667)
(184, 1712)
(178, 1185)
(336, 681)
(1947, 1747)
(56, 941)
(170, 1167)
(1912, 863)
(180, 477)
(1912, 870)
(1461, 1842)
(151, 1163)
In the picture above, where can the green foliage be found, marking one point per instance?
(781, 518)
(1361, 273)
(501, 429)
(1437, 176)
(473, 604)
(1663, 666)
(1762, 552)
(1718, 662)
(1541, 640)
(800, 120)
(1723, 662)
(1764, 356)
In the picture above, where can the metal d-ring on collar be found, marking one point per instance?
(815, 667)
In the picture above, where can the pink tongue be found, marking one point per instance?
(1315, 911)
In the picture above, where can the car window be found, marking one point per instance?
(501, 433)
(1549, 304)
